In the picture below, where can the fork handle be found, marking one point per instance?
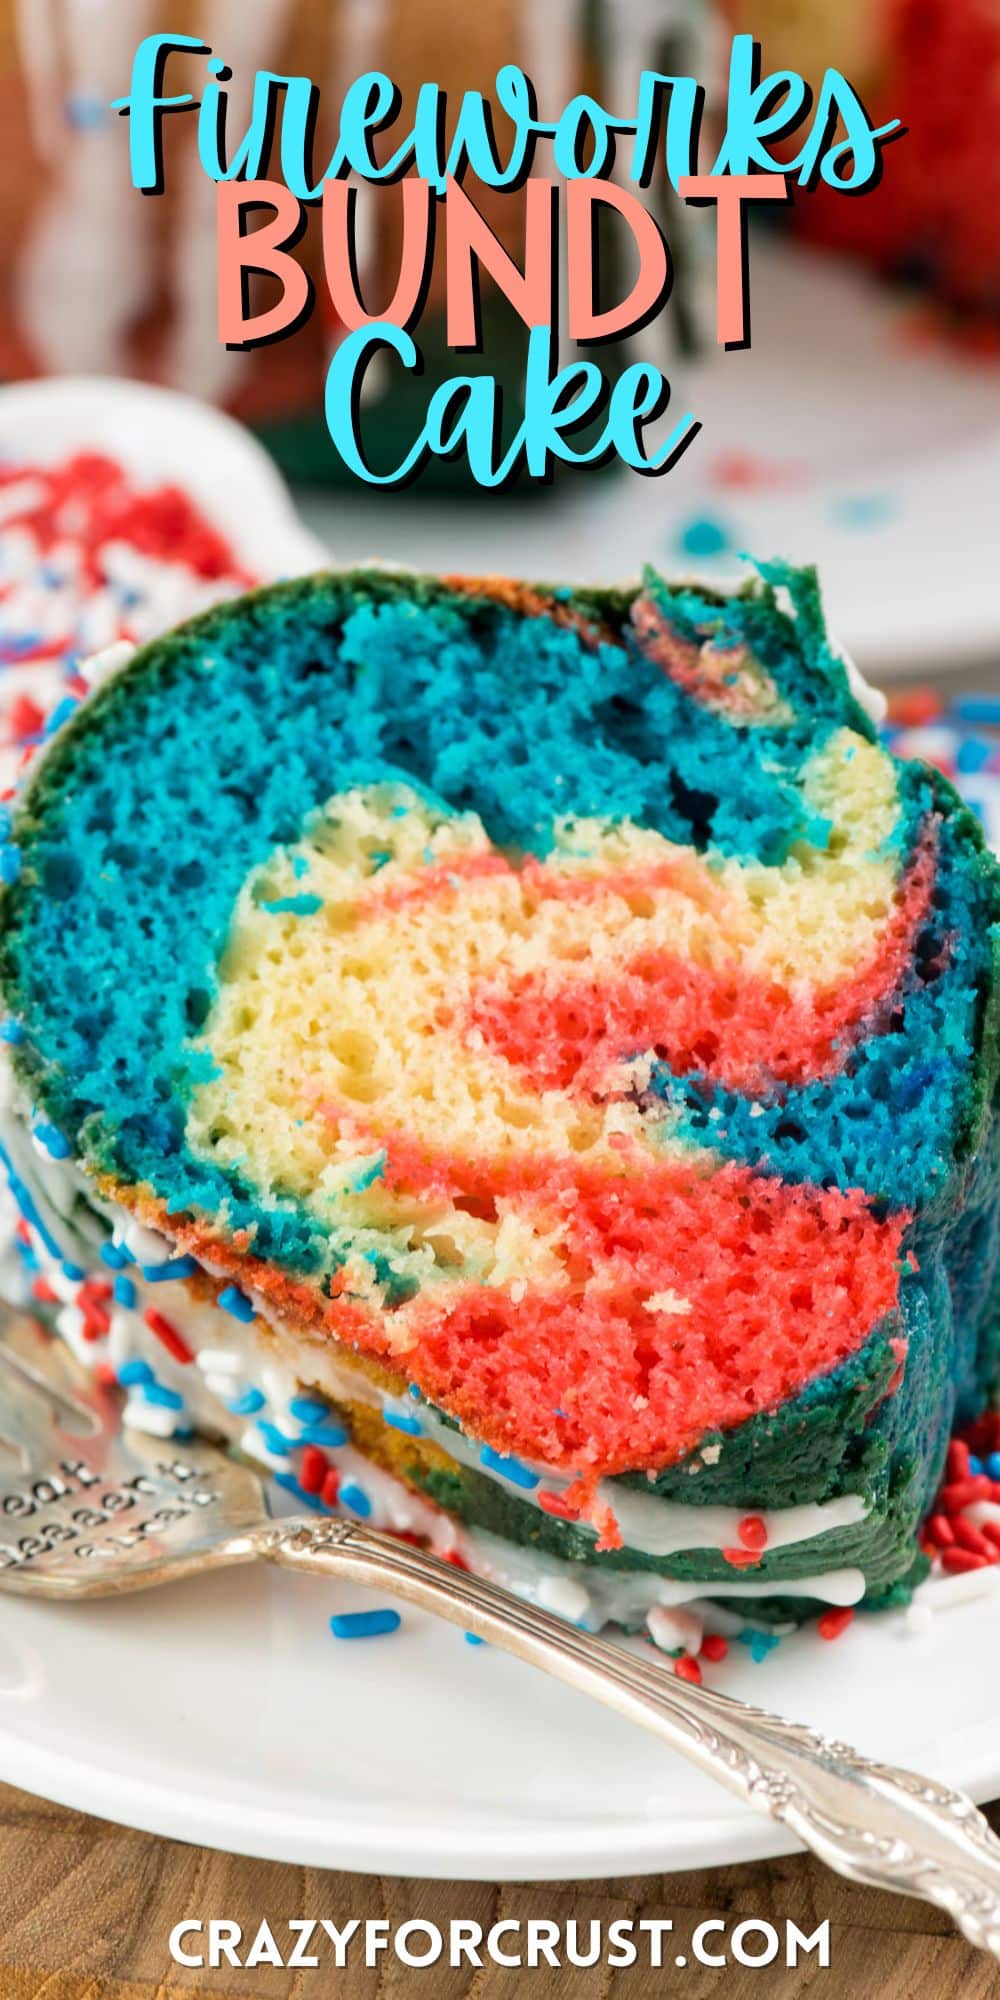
(869, 1821)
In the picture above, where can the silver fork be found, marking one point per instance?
(89, 1510)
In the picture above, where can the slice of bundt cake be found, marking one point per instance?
(547, 1024)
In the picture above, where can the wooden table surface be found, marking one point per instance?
(86, 1910)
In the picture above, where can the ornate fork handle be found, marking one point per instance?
(869, 1821)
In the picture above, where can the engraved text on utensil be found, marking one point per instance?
(75, 1511)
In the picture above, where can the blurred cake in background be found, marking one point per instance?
(935, 219)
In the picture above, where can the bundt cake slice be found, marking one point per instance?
(548, 1028)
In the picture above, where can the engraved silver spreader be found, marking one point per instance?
(88, 1509)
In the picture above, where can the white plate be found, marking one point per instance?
(892, 451)
(223, 1711)
(159, 435)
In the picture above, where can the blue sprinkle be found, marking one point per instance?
(124, 1292)
(364, 1624)
(976, 1467)
(10, 864)
(27, 1255)
(977, 708)
(473, 1639)
(274, 1439)
(11, 1031)
(61, 713)
(508, 1468)
(6, 822)
(416, 1392)
(411, 1425)
(114, 1256)
(164, 1398)
(136, 1374)
(294, 906)
(300, 866)
(329, 1433)
(53, 1141)
(174, 1267)
(972, 753)
(233, 1301)
(703, 535)
(308, 1409)
(356, 1499)
(993, 1465)
(760, 1643)
(248, 1404)
(73, 1272)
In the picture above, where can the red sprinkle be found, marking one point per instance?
(957, 1461)
(962, 1493)
(714, 1646)
(166, 1332)
(957, 1561)
(330, 1488)
(687, 1669)
(941, 1530)
(741, 1558)
(752, 1532)
(313, 1470)
(968, 1536)
(834, 1622)
(43, 1292)
(459, 1562)
(990, 1530)
(557, 1504)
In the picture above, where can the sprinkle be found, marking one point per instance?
(957, 1460)
(308, 1409)
(752, 1531)
(993, 1465)
(968, 1536)
(11, 1031)
(411, 1425)
(741, 1558)
(473, 1639)
(233, 1301)
(356, 1499)
(508, 1468)
(165, 1331)
(275, 1440)
(113, 1256)
(172, 1267)
(158, 1393)
(977, 708)
(331, 1487)
(329, 1433)
(941, 1530)
(714, 1647)
(364, 1624)
(759, 1643)
(52, 1141)
(962, 1492)
(834, 1622)
(313, 1469)
(556, 1504)
(10, 864)
(124, 1292)
(958, 1561)
(687, 1669)
(135, 1374)
(704, 535)
(248, 1404)
(73, 1272)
